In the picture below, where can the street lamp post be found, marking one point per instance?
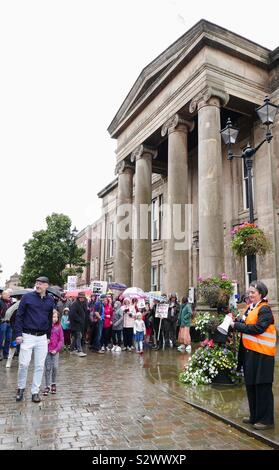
(229, 134)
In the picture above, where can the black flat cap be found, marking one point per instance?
(43, 279)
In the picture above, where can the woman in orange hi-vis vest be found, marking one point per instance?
(259, 342)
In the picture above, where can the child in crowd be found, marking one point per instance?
(65, 323)
(55, 345)
(139, 332)
(117, 326)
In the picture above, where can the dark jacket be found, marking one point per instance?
(4, 305)
(34, 314)
(258, 368)
(77, 316)
(173, 312)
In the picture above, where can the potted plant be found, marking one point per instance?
(211, 363)
(215, 291)
(249, 239)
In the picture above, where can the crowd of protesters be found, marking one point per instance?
(104, 323)
(44, 324)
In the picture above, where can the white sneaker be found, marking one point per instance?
(181, 348)
(188, 348)
(108, 349)
(103, 348)
(81, 354)
(118, 349)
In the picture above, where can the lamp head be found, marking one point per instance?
(267, 112)
(229, 133)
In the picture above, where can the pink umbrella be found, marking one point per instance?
(134, 293)
(74, 293)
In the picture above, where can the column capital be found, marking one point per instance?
(141, 151)
(175, 122)
(208, 97)
(122, 166)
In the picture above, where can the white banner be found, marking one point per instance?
(71, 283)
(162, 311)
(99, 287)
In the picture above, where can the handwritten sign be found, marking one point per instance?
(162, 311)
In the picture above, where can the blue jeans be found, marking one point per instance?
(96, 343)
(5, 337)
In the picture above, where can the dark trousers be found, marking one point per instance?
(67, 337)
(170, 332)
(76, 341)
(128, 334)
(106, 336)
(116, 337)
(261, 403)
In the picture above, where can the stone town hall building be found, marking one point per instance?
(169, 151)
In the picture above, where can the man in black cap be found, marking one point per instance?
(77, 321)
(33, 328)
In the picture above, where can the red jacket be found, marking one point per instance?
(108, 315)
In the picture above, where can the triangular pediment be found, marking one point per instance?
(161, 70)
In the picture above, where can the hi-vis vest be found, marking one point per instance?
(263, 343)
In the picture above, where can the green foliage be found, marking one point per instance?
(207, 362)
(207, 322)
(248, 239)
(215, 291)
(50, 251)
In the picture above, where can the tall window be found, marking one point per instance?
(154, 278)
(245, 185)
(110, 240)
(248, 271)
(156, 217)
(161, 277)
(94, 267)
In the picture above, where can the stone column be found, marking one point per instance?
(211, 222)
(177, 249)
(142, 225)
(123, 255)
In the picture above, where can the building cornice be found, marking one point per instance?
(160, 71)
(107, 189)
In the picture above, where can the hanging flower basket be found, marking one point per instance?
(248, 240)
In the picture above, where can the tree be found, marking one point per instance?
(51, 251)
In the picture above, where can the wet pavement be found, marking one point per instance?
(124, 401)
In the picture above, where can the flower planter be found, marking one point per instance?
(196, 335)
(222, 378)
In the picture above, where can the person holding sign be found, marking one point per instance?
(184, 322)
(161, 315)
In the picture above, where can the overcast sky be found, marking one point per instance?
(66, 67)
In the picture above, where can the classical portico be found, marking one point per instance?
(123, 255)
(175, 111)
(210, 181)
(177, 249)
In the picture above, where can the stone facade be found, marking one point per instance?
(13, 282)
(169, 149)
(83, 240)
